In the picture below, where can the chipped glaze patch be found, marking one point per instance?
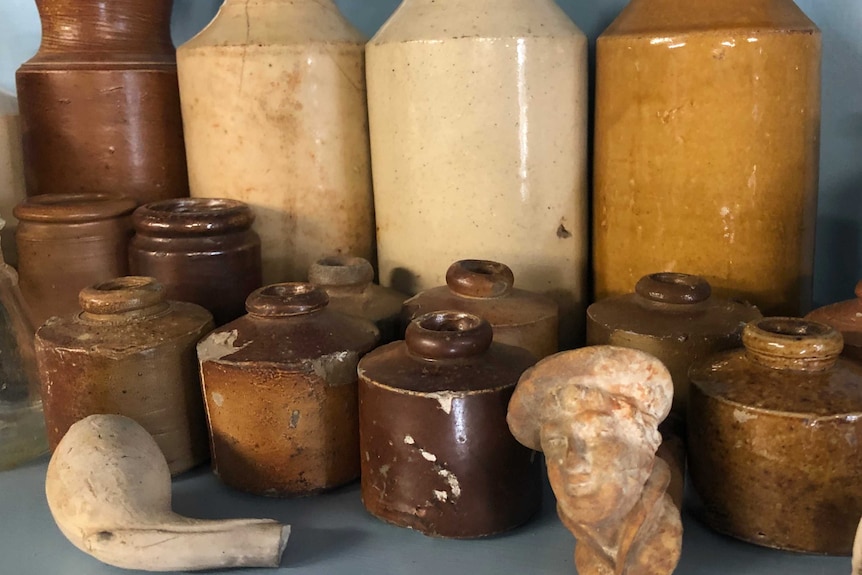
(444, 398)
(743, 417)
(337, 368)
(217, 346)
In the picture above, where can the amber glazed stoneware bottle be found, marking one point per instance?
(280, 390)
(772, 449)
(437, 455)
(846, 317)
(348, 281)
(201, 250)
(707, 139)
(131, 352)
(273, 95)
(67, 242)
(100, 109)
(478, 113)
(486, 289)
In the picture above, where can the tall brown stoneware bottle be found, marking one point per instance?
(99, 101)
(707, 147)
(274, 111)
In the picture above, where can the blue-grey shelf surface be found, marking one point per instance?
(332, 534)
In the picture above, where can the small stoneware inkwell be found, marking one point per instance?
(436, 452)
(846, 317)
(280, 389)
(485, 288)
(772, 438)
(349, 283)
(202, 250)
(129, 352)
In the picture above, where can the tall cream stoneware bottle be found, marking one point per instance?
(478, 114)
(12, 190)
(274, 113)
(707, 148)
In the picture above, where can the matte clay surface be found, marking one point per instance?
(478, 113)
(274, 109)
(773, 452)
(707, 148)
(100, 108)
(11, 174)
(846, 317)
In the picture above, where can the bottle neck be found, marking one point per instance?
(123, 300)
(448, 336)
(792, 344)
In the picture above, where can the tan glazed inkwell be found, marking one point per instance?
(846, 317)
(436, 452)
(280, 390)
(772, 438)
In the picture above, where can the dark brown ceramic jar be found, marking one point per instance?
(674, 317)
(202, 250)
(846, 317)
(485, 288)
(280, 390)
(67, 242)
(348, 281)
(437, 455)
(99, 102)
(772, 441)
(130, 352)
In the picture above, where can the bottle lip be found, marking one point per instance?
(123, 295)
(192, 217)
(74, 208)
(442, 335)
(341, 270)
(674, 288)
(286, 300)
(480, 278)
(792, 343)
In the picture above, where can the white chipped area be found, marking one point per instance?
(428, 456)
(441, 495)
(450, 478)
(217, 398)
(337, 368)
(384, 470)
(444, 398)
(408, 439)
(743, 417)
(219, 345)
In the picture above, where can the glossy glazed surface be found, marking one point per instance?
(846, 317)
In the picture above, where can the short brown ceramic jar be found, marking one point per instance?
(437, 455)
(280, 389)
(202, 250)
(130, 352)
(674, 317)
(67, 242)
(772, 441)
(485, 288)
(349, 283)
(846, 317)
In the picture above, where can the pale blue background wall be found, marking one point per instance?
(839, 233)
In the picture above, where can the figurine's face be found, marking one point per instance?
(597, 463)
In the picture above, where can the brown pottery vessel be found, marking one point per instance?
(485, 288)
(99, 102)
(67, 242)
(348, 281)
(280, 390)
(129, 352)
(772, 438)
(675, 318)
(437, 455)
(846, 317)
(202, 250)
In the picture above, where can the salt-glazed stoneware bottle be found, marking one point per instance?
(201, 250)
(436, 453)
(67, 242)
(478, 112)
(100, 108)
(675, 318)
(485, 288)
(772, 449)
(273, 94)
(718, 182)
(280, 389)
(12, 190)
(846, 317)
(349, 283)
(131, 352)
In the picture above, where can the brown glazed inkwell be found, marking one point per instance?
(772, 441)
(485, 288)
(846, 317)
(436, 452)
(348, 281)
(202, 250)
(67, 242)
(280, 390)
(129, 352)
